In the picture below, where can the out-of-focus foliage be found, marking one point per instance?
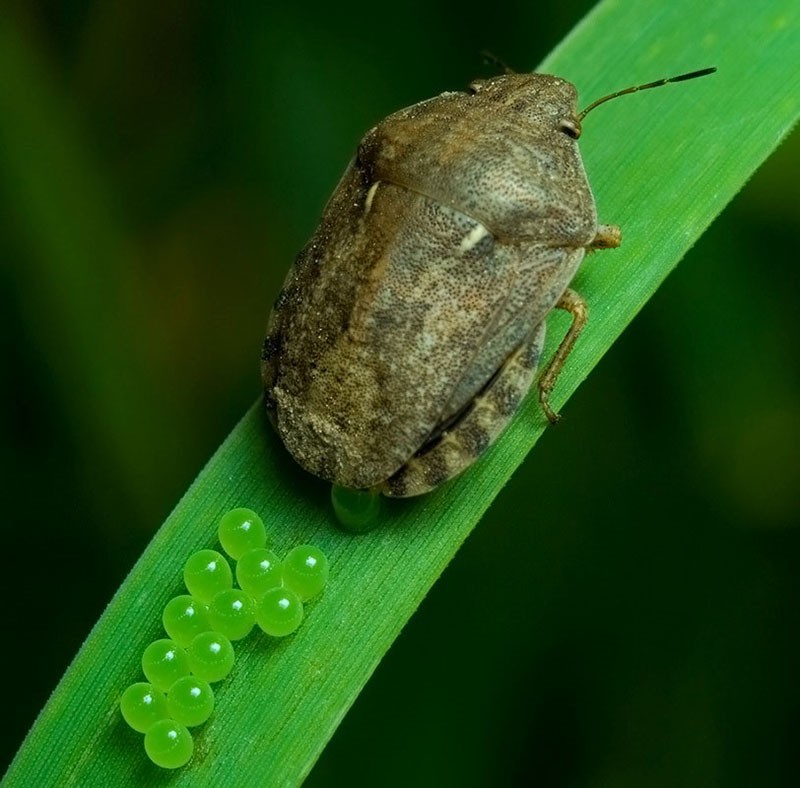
(648, 548)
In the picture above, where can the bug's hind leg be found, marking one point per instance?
(458, 445)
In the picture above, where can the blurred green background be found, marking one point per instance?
(160, 165)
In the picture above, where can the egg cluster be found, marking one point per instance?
(202, 624)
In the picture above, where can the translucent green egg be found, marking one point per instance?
(211, 656)
(142, 706)
(163, 663)
(241, 530)
(190, 701)
(206, 572)
(184, 619)
(358, 511)
(169, 744)
(279, 612)
(257, 571)
(305, 571)
(233, 613)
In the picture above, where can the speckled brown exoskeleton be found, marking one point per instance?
(410, 327)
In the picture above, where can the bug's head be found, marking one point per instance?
(540, 99)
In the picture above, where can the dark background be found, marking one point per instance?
(162, 163)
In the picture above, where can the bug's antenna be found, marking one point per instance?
(657, 84)
(493, 60)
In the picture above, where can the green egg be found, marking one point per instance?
(206, 572)
(357, 511)
(169, 744)
(257, 571)
(211, 656)
(241, 530)
(279, 612)
(184, 618)
(190, 701)
(142, 705)
(163, 663)
(233, 613)
(305, 571)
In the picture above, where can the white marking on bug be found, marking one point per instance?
(237, 605)
(173, 734)
(212, 566)
(190, 611)
(473, 238)
(195, 692)
(265, 565)
(370, 195)
(170, 655)
(215, 647)
(247, 525)
(283, 603)
(311, 562)
(147, 699)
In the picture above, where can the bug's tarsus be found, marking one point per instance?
(657, 84)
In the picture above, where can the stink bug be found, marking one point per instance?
(410, 327)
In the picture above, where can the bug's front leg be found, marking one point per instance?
(608, 237)
(573, 303)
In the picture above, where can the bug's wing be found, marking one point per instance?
(397, 312)
(541, 276)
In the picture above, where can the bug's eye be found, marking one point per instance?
(570, 128)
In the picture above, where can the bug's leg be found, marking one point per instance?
(608, 237)
(571, 302)
(461, 443)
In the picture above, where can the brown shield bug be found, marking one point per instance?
(410, 327)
